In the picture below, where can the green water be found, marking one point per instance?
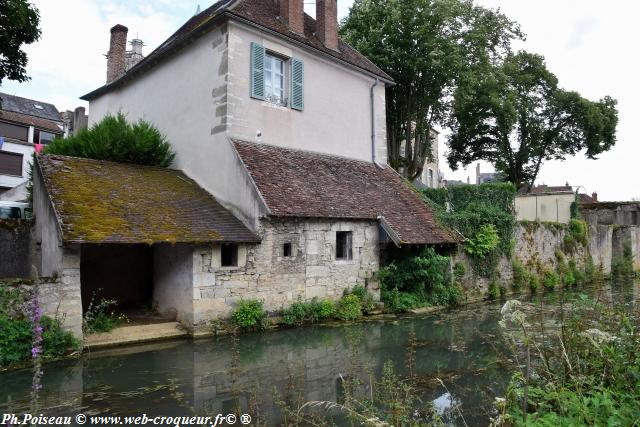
(462, 347)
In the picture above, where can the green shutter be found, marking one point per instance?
(297, 84)
(257, 71)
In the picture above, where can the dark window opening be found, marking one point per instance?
(229, 255)
(343, 245)
(286, 250)
(10, 163)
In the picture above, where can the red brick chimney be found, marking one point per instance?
(292, 14)
(116, 65)
(327, 22)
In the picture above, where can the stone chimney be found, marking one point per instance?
(116, 65)
(292, 14)
(327, 23)
(134, 55)
(594, 196)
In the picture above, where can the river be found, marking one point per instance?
(463, 347)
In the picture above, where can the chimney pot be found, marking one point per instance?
(292, 13)
(116, 65)
(327, 23)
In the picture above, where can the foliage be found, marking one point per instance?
(17, 335)
(250, 314)
(520, 276)
(101, 316)
(551, 280)
(622, 266)
(575, 236)
(589, 270)
(425, 46)
(366, 298)
(587, 375)
(534, 283)
(494, 290)
(425, 276)
(485, 241)
(349, 308)
(513, 115)
(14, 301)
(459, 270)
(308, 312)
(471, 208)
(19, 21)
(575, 207)
(117, 140)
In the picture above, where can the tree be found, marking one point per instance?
(425, 46)
(19, 22)
(514, 115)
(116, 140)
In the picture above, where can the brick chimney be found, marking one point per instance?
(327, 23)
(594, 196)
(116, 65)
(292, 14)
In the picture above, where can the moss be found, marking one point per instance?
(105, 201)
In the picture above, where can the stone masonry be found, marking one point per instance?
(264, 273)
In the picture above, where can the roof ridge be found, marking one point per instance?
(89, 160)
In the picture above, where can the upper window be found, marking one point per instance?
(344, 250)
(42, 137)
(275, 79)
(274, 70)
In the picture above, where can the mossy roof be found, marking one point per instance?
(105, 202)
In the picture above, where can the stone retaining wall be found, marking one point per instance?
(15, 248)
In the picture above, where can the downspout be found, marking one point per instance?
(373, 125)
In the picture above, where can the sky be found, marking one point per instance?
(590, 45)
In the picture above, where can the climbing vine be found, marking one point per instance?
(473, 210)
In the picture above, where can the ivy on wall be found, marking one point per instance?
(472, 210)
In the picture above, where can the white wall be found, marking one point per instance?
(545, 207)
(27, 154)
(337, 109)
(185, 97)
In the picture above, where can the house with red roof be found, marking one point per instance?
(279, 130)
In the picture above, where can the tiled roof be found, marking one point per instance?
(105, 202)
(29, 107)
(40, 123)
(302, 184)
(263, 13)
(545, 189)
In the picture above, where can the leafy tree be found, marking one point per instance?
(425, 46)
(117, 140)
(514, 115)
(19, 22)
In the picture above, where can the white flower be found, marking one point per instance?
(599, 337)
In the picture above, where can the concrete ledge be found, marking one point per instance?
(136, 334)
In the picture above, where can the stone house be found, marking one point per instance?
(279, 126)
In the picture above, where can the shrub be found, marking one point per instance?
(551, 280)
(569, 279)
(366, 299)
(425, 275)
(102, 317)
(116, 140)
(485, 241)
(349, 308)
(494, 290)
(519, 275)
(459, 271)
(250, 314)
(399, 302)
(308, 312)
(534, 283)
(622, 266)
(589, 270)
(17, 336)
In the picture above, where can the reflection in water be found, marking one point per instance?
(461, 347)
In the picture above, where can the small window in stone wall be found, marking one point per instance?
(344, 251)
(229, 255)
(287, 250)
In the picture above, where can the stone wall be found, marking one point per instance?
(15, 248)
(623, 235)
(264, 273)
(61, 297)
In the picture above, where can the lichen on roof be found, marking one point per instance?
(106, 202)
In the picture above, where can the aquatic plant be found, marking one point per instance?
(313, 311)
